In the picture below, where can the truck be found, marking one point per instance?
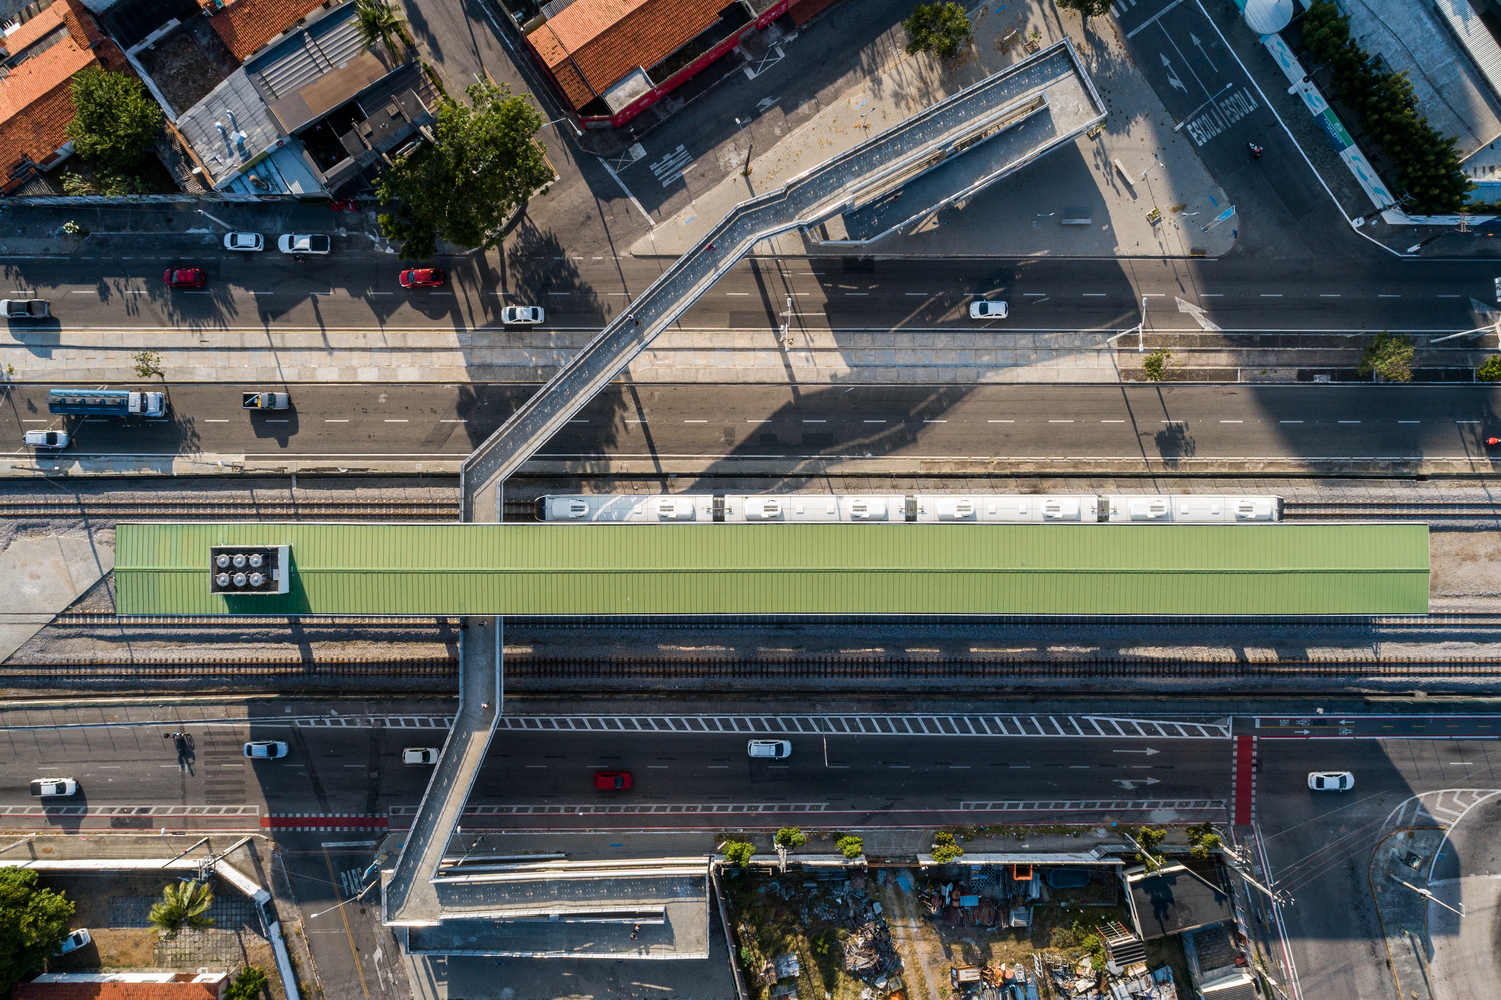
(107, 402)
(265, 400)
(25, 308)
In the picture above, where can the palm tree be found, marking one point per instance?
(184, 904)
(380, 22)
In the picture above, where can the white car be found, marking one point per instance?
(46, 439)
(74, 941)
(1331, 781)
(315, 243)
(244, 241)
(774, 749)
(48, 787)
(521, 314)
(419, 755)
(988, 309)
(266, 749)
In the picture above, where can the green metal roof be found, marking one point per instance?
(570, 569)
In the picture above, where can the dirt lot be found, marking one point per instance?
(114, 908)
(188, 63)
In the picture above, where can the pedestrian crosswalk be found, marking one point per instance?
(669, 169)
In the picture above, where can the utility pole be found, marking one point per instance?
(749, 142)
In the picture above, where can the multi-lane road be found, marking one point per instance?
(748, 423)
(353, 290)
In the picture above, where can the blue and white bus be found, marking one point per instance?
(107, 402)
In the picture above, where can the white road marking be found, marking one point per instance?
(695, 421)
(1349, 421)
(1060, 421)
(1112, 421)
(1000, 421)
(1094, 295)
(857, 293)
(336, 421)
(935, 421)
(863, 421)
(737, 293)
(1409, 421)
(815, 421)
(1328, 296)
(1271, 295)
(915, 293)
(750, 421)
(1467, 421)
(207, 421)
(1289, 421)
(1388, 296)
(1232, 421)
(390, 420)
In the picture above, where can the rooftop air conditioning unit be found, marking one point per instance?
(250, 569)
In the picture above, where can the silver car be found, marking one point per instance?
(988, 309)
(512, 315)
(46, 439)
(265, 749)
(26, 308)
(773, 749)
(49, 787)
(1331, 781)
(299, 243)
(244, 241)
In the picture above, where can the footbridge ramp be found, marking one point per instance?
(1014, 116)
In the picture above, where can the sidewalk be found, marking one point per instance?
(1071, 183)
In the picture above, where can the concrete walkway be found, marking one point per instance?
(993, 110)
(1160, 171)
(409, 895)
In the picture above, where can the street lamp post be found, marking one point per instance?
(577, 132)
(749, 142)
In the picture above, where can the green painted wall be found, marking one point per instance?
(569, 569)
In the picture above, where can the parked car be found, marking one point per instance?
(612, 780)
(265, 749)
(775, 749)
(74, 941)
(49, 787)
(46, 439)
(304, 243)
(511, 315)
(244, 241)
(422, 277)
(184, 277)
(265, 400)
(1331, 781)
(988, 309)
(26, 308)
(420, 755)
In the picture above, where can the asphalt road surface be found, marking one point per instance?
(351, 289)
(758, 421)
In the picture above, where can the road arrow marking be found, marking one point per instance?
(1172, 77)
(1202, 52)
(1143, 782)
(1148, 751)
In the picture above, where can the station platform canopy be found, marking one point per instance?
(787, 569)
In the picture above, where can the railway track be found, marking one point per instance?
(1300, 510)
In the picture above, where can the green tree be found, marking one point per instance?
(1149, 840)
(184, 904)
(938, 28)
(379, 23)
(738, 853)
(33, 922)
(1388, 356)
(791, 837)
(1490, 369)
(248, 984)
(147, 363)
(850, 847)
(1386, 108)
(464, 186)
(1155, 365)
(1089, 8)
(115, 120)
(1203, 840)
(1096, 949)
(945, 850)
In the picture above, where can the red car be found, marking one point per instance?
(184, 277)
(614, 781)
(422, 277)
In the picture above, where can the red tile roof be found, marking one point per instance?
(591, 44)
(36, 99)
(247, 25)
(115, 991)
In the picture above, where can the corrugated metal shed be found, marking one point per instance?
(814, 569)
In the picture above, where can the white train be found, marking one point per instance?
(994, 508)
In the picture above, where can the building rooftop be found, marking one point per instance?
(807, 569)
(36, 100)
(588, 45)
(115, 991)
(247, 25)
(230, 127)
(1176, 899)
